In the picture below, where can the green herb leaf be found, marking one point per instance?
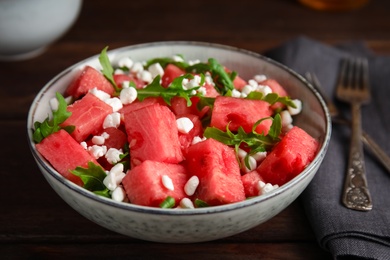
(108, 70)
(254, 141)
(165, 61)
(271, 98)
(92, 177)
(47, 127)
(220, 76)
(200, 203)
(168, 203)
(175, 89)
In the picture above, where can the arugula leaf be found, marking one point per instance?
(200, 203)
(254, 141)
(271, 98)
(108, 70)
(155, 89)
(47, 127)
(165, 61)
(92, 177)
(168, 203)
(224, 82)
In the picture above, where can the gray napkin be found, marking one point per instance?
(347, 234)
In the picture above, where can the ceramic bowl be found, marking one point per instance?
(201, 224)
(28, 27)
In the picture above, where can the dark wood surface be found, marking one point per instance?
(35, 222)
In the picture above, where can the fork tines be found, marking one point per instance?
(354, 77)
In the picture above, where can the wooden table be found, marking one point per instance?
(35, 222)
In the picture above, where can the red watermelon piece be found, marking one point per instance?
(117, 138)
(186, 138)
(120, 78)
(88, 114)
(250, 181)
(276, 88)
(239, 83)
(171, 72)
(65, 154)
(143, 184)
(179, 106)
(218, 171)
(153, 135)
(240, 112)
(88, 79)
(138, 104)
(289, 157)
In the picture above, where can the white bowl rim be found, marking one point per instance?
(182, 212)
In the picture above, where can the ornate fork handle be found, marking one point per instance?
(356, 194)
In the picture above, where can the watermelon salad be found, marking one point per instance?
(172, 133)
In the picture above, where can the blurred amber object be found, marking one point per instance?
(334, 5)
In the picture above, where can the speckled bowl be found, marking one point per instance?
(189, 225)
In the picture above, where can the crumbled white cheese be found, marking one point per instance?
(145, 76)
(119, 72)
(264, 89)
(113, 155)
(177, 58)
(125, 62)
(125, 84)
(236, 93)
(115, 103)
(114, 177)
(260, 78)
(118, 194)
(259, 156)
(298, 109)
(184, 125)
(251, 163)
(202, 90)
(100, 94)
(112, 120)
(191, 185)
(128, 95)
(266, 187)
(286, 118)
(186, 203)
(137, 67)
(247, 89)
(197, 139)
(98, 140)
(167, 182)
(97, 151)
(84, 145)
(155, 69)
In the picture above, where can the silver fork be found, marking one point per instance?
(353, 88)
(337, 117)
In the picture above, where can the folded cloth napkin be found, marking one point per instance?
(346, 233)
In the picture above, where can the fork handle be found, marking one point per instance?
(356, 194)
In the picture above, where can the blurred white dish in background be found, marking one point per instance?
(27, 27)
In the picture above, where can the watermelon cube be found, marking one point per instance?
(171, 72)
(218, 171)
(289, 157)
(117, 138)
(276, 88)
(240, 112)
(138, 104)
(153, 135)
(144, 186)
(250, 181)
(88, 114)
(186, 138)
(88, 79)
(120, 78)
(65, 154)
